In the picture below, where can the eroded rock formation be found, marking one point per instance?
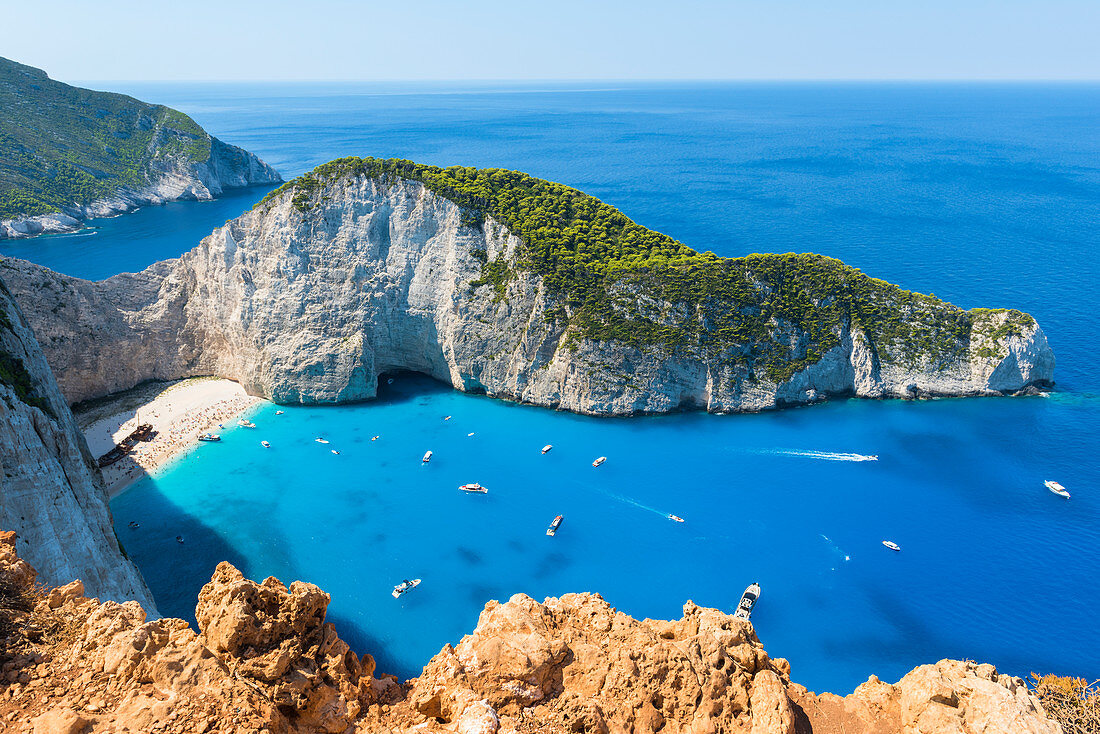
(310, 304)
(264, 660)
(50, 488)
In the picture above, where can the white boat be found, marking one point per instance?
(210, 437)
(469, 434)
(1058, 489)
(375, 438)
(599, 461)
(748, 601)
(265, 444)
(676, 518)
(246, 423)
(446, 417)
(891, 545)
(547, 447)
(553, 529)
(321, 440)
(474, 487)
(404, 586)
(427, 457)
(335, 452)
(279, 412)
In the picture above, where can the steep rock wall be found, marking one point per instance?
(51, 489)
(311, 304)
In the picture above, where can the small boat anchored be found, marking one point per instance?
(1058, 489)
(891, 545)
(474, 487)
(210, 437)
(599, 461)
(243, 423)
(675, 518)
(427, 457)
(265, 444)
(321, 440)
(279, 412)
(553, 529)
(404, 586)
(748, 601)
(547, 447)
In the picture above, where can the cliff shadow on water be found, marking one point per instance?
(174, 571)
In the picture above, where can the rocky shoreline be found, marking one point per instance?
(265, 660)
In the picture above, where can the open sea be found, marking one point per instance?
(986, 195)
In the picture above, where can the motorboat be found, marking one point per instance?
(246, 423)
(279, 412)
(599, 461)
(334, 451)
(427, 457)
(1058, 489)
(748, 601)
(404, 586)
(547, 447)
(210, 437)
(676, 518)
(891, 545)
(321, 440)
(446, 417)
(474, 487)
(471, 433)
(553, 529)
(265, 444)
(375, 438)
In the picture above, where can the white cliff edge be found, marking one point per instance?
(312, 306)
(170, 179)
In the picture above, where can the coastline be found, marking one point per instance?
(179, 412)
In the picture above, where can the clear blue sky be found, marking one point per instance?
(556, 39)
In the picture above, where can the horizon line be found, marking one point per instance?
(627, 80)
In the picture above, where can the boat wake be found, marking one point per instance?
(822, 455)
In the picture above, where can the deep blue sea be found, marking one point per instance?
(986, 195)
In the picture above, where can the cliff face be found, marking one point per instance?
(265, 660)
(67, 154)
(50, 488)
(309, 304)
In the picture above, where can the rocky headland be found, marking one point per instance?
(501, 284)
(265, 660)
(69, 154)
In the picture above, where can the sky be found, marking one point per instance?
(76, 40)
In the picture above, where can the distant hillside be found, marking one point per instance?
(78, 153)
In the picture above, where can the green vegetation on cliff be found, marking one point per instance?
(63, 146)
(613, 279)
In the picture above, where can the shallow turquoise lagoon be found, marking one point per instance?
(989, 560)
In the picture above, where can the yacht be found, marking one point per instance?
(335, 452)
(474, 487)
(599, 461)
(676, 518)
(212, 437)
(243, 423)
(547, 447)
(891, 545)
(554, 525)
(748, 601)
(321, 440)
(265, 444)
(404, 586)
(427, 457)
(1058, 489)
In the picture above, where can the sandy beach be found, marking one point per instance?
(179, 412)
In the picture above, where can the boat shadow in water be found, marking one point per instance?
(174, 571)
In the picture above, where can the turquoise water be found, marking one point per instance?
(983, 194)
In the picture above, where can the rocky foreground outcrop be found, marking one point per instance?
(265, 660)
(310, 299)
(50, 488)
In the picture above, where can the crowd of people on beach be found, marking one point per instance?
(174, 434)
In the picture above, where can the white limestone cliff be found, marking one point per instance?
(50, 487)
(311, 306)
